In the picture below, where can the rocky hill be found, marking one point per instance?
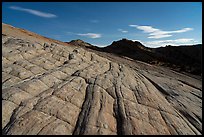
(55, 88)
(183, 58)
(80, 43)
(180, 58)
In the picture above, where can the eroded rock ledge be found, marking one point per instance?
(51, 89)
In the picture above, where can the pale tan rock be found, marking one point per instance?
(7, 111)
(53, 88)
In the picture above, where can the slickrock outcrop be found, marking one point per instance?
(54, 88)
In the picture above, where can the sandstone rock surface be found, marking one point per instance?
(53, 88)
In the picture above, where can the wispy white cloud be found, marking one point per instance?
(163, 43)
(157, 33)
(56, 36)
(70, 33)
(94, 21)
(136, 40)
(34, 12)
(123, 31)
(100, 45)
(146, 29)
(90, 35)
(158, 36)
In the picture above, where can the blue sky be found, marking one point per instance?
(99, 23)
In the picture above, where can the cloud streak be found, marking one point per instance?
(94, 21)
(34, 12)
(157, 33)
(123, 31)
(90, 35)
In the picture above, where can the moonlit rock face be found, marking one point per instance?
(91, 94)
